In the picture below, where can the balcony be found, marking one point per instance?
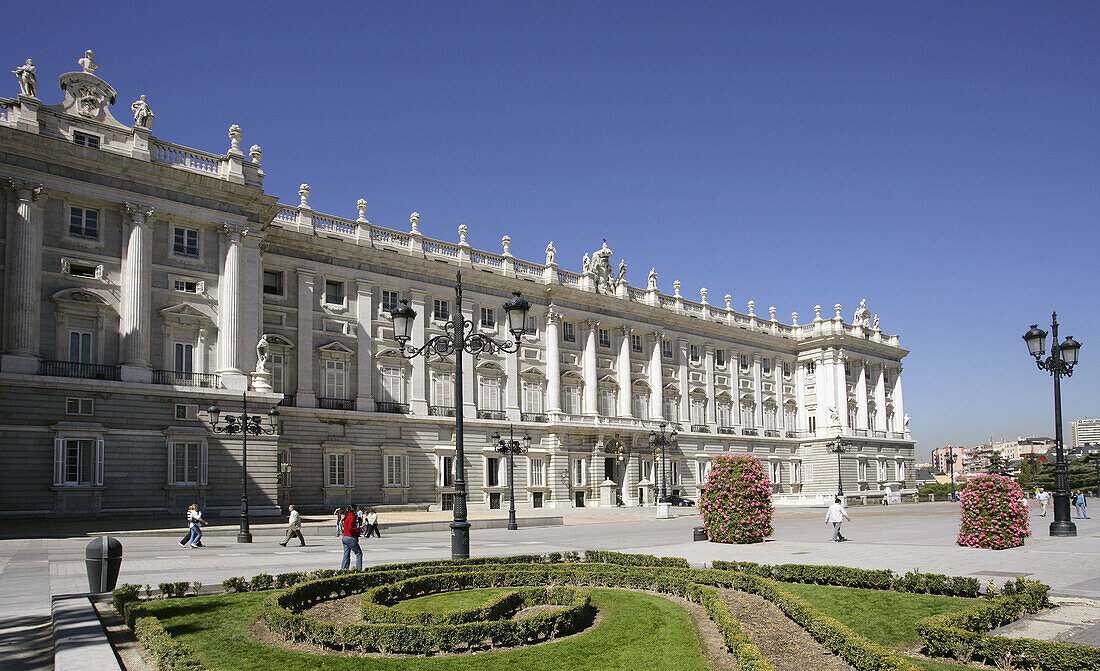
(181, 379)
(792, 434)
(441, 410)
(749, 432)
(771, 433)
(287, 400)
(878, 434)
(731, 430)
(700, 428)
(491, 414)
(390, 406)
(336, 403)
(859, 432)
(533, 417)
(88, 371)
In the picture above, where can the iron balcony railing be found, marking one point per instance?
(700, 428)
(533, 417)
(749, 432)
(390, 406)
(335, 403)
(491, 414)
(732, 430)
(441, 410)
(90, 371)
(771, 433)
(288, 400)
(182, 379)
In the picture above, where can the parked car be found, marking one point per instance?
(680, 501)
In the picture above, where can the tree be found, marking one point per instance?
(1029, 468)
(997, 465)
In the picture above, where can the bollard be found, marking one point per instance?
(102, 559)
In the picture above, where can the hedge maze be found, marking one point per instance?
(561, 585)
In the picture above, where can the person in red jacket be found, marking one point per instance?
(351, 538)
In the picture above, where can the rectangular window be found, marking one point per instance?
(334, 292)
(789, 419)
(441, 310)
(647, 470)
(720, 358)
(811, 367)
(568, 332)
(698, 411)
(636, 343)
(492, 472)
(393, 385)
(766, 366)
(389, 300)
(796, 471)
(852, 416)
(606, 402)
(580, 473)
(724, 414)
(883, 472)
(666, 349)
(871, 423)
(335, 379)
(185, 469)
(337, 470)
(808, 473)
(447, 471)
(185, 242)
(395, 470)
(490, 393)
(674, 472)
(537, 476)
(273, 283)
(532, 398)
(79, 406)
(83, 223)
(786, 369)
(640, 405)
(672, 409)
(85, 140)
(278, 373)
(187, 412)
(488, 318)
(899, 471)
(812, 424)
(443, 386)
(571, 398)
(776, 472)
(694, 349)
(605, 338)
(744, 361)
(285, 473)
(747, 420)
(184, 359)
(532, 326)
(861, 472)
(84, 270)
(847, 369)
(80, 347)
(79, 461)
(187, 286)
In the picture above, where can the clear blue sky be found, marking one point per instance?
(940, 159)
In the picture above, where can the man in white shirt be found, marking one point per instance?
(294, 529)
(836, 515)
(1043, 497)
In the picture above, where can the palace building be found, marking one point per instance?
(144, 281)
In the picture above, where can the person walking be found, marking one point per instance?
(187, 534)
(294, 528)
(1079, 504)
(836, 515)
(339, 515)
(194, 516)
(351, 539)
(1043, 497)
(372, 524)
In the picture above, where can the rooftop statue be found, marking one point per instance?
(143, 114)
(88, 63)
(28, 79)
(585, 263)
(622, 270)
(551, 252)
(601, 266)
(863, 315)
(651, 284)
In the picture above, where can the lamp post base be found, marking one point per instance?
(460, 540)
(1058, 528)
(244, 537)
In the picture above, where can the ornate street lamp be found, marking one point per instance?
(840, 448)
(950, 461)
(511, 448)
(460, 337)
(1062, 359)
(659, 443)
(244, 424)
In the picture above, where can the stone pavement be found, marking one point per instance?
(900, 537)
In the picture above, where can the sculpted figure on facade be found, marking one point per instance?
(905, 421)
(651, 283)
(622, 270)
(601, 266)
(263, 350)
(143, 114)
(88, 63)
(834, 414)
(551, 252)
(585, 263)
(874, 324)
(28, 79)
(863, 315)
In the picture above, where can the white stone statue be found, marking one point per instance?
(905, 422)
(28, 79)
(88, 63)
(863, 315)
(551, 252)
(874, 324)
(585, 263)
(651, 284)
(601, 266)
(834, 414)
(263, 349)
(143, 114)
(622, 270)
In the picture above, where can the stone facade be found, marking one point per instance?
(139, 276)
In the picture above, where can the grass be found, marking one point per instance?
(640, 631)
(445, 601)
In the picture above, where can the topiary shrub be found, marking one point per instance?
(994, 514)
(736, 501)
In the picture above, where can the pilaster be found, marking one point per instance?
(364, 363)
(306, 397)
(136, 293)
(708, 367)
(229, 309)
(589, 368)
(880, 398)
(553, 361)
(418, 398)
(23, 280)
(682, 375)
(622, 373)
(656, 380)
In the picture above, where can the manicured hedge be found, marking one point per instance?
(499, 607)
(737, 641)
(170, 654)
(844, 576)
(736, 500)
(619, 558)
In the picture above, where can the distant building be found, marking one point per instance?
(1084, 432)
(1014, 450)
(939, 455)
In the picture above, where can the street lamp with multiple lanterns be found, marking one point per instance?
(1062, 359)
(840, 448)
(459, 337)
(659, 442)
(244, 424)
(511, 448)
(950, 461)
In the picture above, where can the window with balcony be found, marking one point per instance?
(853, 416)
(671, 408)
(571, 400)
(83, 223)
(336, 378)
(443, 389)
(80, 347)
(606, 402)
(278, 373)
(532, 398)
(747, 412)
(698, 411)
(790, 417)
(393, 385)
(184, 359)
(725, 418)
(639, 405)
(769, 417)
(489, 393)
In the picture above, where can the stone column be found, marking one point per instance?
(682, 373)
(136, 293)
(364, 358)
(511, 384)
(880, 398)
(471, 400)
(711, 406)
(305, 395)
(780, 412)
(861, 395)
(229, 310)
(558, 465)
(622, 373)
(758, 392)
(589, 369)
(801, 415)
(23, 281)
(553, 362)
(840, 392)
(418, 390)
(656, 380)
(899, 405)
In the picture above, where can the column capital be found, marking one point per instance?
(593, 324)
(363, 285)
(658, 336)
(627, 330)
(139, 214)
(234, 230)
(305, 274)
(25, 190)
(552, 314)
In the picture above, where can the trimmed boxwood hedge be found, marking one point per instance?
(171, 655)
(844, 576)
(499, 607)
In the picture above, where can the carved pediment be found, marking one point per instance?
(336, 349)
(276, 340)
(187, 313)
(83, 298)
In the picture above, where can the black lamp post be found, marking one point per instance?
(511, 448)
(1062, 359)
(244, 424)
(840, 448)
(460, 337)
(660, 444)
(950, 461)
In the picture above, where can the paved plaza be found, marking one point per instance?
(900, 537)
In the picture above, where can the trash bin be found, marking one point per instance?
(102, 558)
(699, 534)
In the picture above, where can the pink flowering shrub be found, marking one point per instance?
(994, 514)
(737, 500)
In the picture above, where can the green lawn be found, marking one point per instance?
(445, 601)
(887, 618)
(641, 631)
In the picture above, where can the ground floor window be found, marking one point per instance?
(447, 501)
(536, 500)
(78, 461)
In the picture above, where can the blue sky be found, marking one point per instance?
(941, 160)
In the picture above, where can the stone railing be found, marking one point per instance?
(5, 110)
(188, 159)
